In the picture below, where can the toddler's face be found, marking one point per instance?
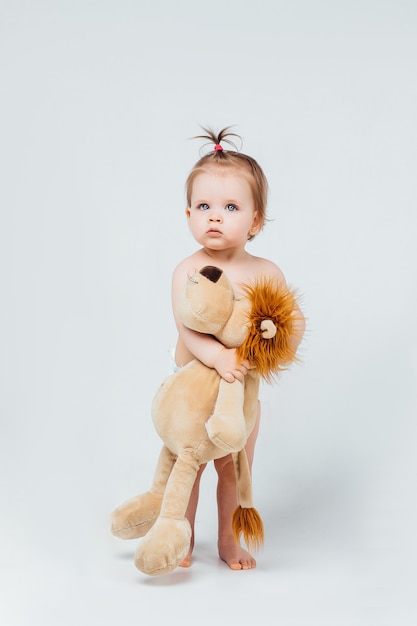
(222, 212)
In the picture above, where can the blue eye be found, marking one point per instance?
(231, 207)
(203, 206)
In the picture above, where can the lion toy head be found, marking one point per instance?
(259, 324)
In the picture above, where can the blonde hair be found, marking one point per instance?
(220, 158)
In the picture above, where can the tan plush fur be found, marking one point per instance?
(201, 417)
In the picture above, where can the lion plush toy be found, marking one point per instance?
(201, 417)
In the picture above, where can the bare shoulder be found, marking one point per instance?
(186, 268)
(266, 267)
(188, 265)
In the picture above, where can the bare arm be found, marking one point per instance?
(299, 324)
(299, 329)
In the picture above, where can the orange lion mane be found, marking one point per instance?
(270, 300)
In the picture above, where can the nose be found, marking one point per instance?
(215, 217)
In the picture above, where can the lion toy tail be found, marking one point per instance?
(248, 522)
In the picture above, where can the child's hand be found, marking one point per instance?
(228, 368)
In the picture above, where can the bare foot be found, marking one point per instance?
(186, 562)
(234, 555)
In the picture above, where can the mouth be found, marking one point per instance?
(214, 231)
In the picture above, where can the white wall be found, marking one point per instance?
(98, 102)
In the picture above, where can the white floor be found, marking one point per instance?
(340, 521)
(321, 565)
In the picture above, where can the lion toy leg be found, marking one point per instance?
(135, 517)
(168, 541)
(226, 428)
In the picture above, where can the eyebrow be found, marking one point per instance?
(205, 201)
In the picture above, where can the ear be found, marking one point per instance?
(256, 225)
(188, 212)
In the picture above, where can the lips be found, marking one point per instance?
(214, 231)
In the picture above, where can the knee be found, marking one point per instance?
(223, 464)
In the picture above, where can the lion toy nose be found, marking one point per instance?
(211, 272)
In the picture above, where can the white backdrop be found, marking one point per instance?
(98, 101)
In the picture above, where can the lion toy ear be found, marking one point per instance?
(268, 329)
(272, 319)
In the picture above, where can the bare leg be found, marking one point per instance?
(191, 513)
(234, 555)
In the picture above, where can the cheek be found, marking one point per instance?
(194, 222)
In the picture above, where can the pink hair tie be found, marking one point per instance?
(218, 147)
